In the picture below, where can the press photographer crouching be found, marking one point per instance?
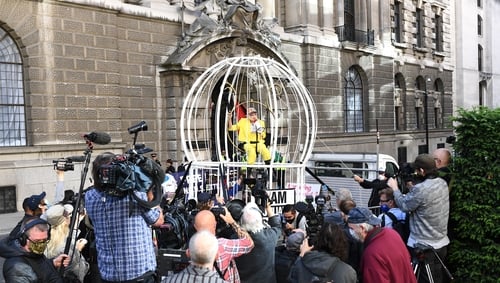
(121, 217)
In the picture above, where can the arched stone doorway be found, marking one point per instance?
(183, 67)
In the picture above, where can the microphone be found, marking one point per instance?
(76, 158)
(98, 137)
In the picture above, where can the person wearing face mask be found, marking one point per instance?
(375, 185)
(292, 220)
(24, 257)
(385, 258)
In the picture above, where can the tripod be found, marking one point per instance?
(422, 262)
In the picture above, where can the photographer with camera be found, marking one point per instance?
(121, 224)
(292, 220)
(258, 265)
(229, 249)
(429, 208)
(375, 185)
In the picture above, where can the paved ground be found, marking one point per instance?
(7, 222)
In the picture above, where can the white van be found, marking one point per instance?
(337, 170)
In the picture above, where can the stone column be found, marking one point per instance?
(328, 16)
(268, 10)
(293, 13)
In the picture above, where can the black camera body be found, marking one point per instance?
(63, 164)
(314, 216)
(133, 171)
(218, 211)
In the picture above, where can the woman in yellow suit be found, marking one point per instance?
(252, 134)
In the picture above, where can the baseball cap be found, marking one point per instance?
(33, 201)
(334, 217)
(359, 215)
(424, 161)
(204, 197)
(55, 215)
(251, 110)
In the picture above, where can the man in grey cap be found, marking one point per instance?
(429, 207)
(385, 257)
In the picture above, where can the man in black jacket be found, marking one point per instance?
(376, 185)
(24, 256)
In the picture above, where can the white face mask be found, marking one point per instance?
(381, 177)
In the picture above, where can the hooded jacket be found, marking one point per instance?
(17, 266)
(316, 265)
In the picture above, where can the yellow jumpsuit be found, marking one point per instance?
(253, 138)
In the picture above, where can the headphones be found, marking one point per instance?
(27, 224)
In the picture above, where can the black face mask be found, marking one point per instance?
(419, 179)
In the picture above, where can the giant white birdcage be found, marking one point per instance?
(230, 87)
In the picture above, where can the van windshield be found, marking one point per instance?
(344, 169)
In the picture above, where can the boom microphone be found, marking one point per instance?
(76, 158)
(98, 137)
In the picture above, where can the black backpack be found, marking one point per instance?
(400, 226)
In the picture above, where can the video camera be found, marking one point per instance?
(313, 215)
(63, 164)
(133, 171)
(258, 188)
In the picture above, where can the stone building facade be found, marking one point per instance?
(477, 75)
(69, 67)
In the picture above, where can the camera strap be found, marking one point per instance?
(225, 271)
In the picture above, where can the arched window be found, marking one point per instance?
(479, 25)
(400, 102)
(12, 107)
(353, 101)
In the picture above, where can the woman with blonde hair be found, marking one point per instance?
(59, 218)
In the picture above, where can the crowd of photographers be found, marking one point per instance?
(122, 235)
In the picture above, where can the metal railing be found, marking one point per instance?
(349, 33)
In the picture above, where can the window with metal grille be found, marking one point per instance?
(353, 101)
(8, 199)
(419, 22)
(12, 107)
(438, 21)
(398, 23)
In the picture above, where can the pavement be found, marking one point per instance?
(7, 222)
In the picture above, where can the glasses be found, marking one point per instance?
(385, 200)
